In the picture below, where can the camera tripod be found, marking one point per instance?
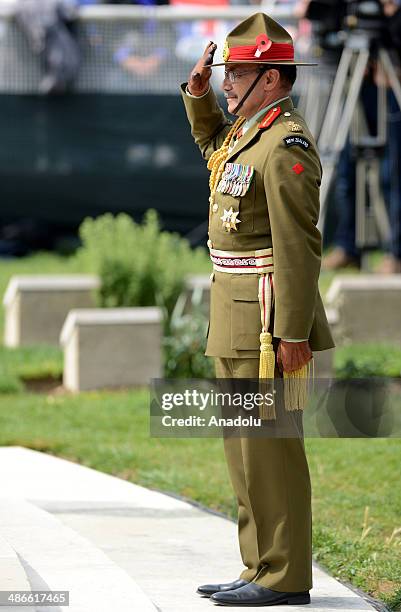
(344, 118)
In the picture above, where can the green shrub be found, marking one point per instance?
(138, 264)
(365, 360)
(184, 348)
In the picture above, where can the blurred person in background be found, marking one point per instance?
(132, 56)
(193, 35)
(345, 252)
(49, 26)
(391, 263)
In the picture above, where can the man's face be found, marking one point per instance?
(242, 77)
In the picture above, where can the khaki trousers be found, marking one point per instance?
(271, 481)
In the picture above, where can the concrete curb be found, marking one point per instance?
(63, 560)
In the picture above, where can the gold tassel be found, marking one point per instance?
(267, 356)
(296, 386)
(267, 362)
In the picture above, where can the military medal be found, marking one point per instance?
(230, 220)
(236, 179)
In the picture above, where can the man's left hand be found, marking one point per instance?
(293, 355)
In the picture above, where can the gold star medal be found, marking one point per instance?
(230, 220)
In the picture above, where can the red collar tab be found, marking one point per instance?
(271, 116)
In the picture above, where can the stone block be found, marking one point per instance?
(111, 347)
(196, 295)
(36, 306)
(368, 308)
(324, 366)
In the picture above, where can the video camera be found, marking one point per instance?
(335, 19)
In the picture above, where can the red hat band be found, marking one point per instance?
(276, 52)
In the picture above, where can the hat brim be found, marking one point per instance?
(264, 62)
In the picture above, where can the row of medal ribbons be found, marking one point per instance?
(235, 179)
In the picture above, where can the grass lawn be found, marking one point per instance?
(356, 483)
(110, 432)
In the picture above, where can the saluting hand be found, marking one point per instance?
(293, 355)
(198, 82)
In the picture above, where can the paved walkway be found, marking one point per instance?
(117, 546)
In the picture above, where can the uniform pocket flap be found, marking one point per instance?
(245, 288)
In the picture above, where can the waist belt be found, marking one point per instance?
(243, 262)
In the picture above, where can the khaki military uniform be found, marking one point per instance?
(280, 209)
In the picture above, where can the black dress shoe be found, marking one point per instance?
(210, 589)
(255, 595)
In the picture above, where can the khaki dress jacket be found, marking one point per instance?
(280, 209)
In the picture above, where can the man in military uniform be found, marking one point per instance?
(266, 254)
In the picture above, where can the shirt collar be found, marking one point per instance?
(250, 122)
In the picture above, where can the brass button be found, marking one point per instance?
(209, 244)
(212, 276)
(215, 207)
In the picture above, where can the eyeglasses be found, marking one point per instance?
(233, 75)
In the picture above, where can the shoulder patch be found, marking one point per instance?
(300, 141)
(270, 116)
